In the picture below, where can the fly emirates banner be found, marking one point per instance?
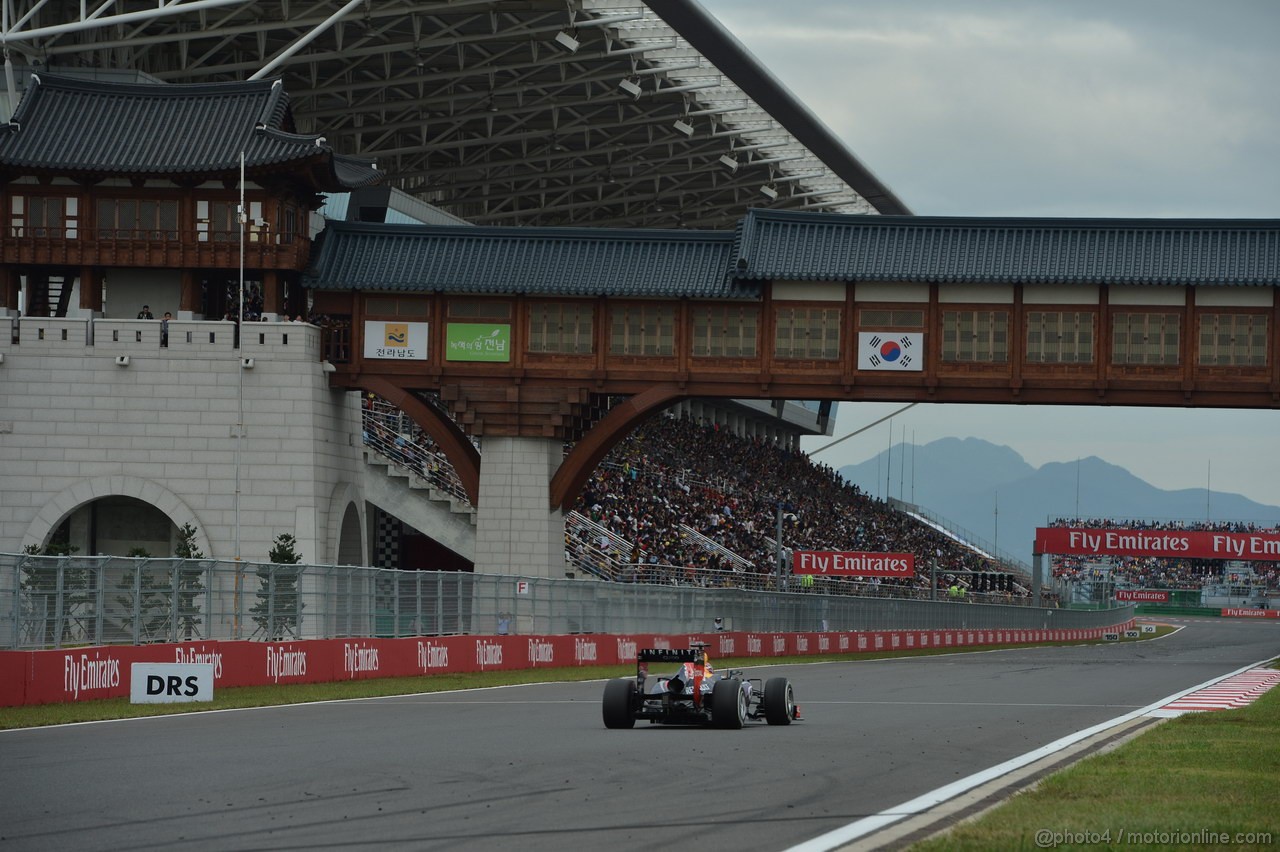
(1186, 544)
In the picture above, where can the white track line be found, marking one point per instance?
(920, 804)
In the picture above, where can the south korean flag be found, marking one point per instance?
(878, 350)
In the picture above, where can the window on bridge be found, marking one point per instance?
(807, 333)
(392, 306)
(879, 319)
(562, 328)
(1233, 340)
(724, 331)
(479, 309)
(642, 330)
(1060, 337)
(981, 336)
(1145, 338)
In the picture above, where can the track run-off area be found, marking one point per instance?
(532, 767)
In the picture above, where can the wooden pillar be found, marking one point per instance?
(10, 288)
(190, 298)
(272, 293)
(91, 289)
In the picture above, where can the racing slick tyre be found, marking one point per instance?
(728, 704)
(779, 701)
(618, 706)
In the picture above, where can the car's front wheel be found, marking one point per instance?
(779, 701)
(618, 708)
(728, 704)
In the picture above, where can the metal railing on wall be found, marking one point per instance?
(56, 602)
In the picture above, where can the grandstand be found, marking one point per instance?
(1196, 582)
(695, 504)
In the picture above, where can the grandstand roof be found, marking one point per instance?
(619, 113)
(68, 125)
(776, 244)
(535, 261)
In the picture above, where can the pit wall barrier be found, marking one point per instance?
(86, 674)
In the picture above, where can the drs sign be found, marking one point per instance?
(170, 683)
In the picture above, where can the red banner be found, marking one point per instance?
(1147, 595)
(1184, 544)
(84, 674)
(1229, 612)
(831, 563)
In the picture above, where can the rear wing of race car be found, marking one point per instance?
(669, 655)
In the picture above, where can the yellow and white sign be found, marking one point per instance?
(396, 341)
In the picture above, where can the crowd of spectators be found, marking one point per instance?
(673, 475)
(673, 472)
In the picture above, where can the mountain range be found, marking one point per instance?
(991, 492)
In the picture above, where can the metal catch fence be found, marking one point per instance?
(56, 602)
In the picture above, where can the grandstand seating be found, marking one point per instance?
(679, 502)
(1162, 573)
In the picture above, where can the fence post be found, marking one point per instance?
(271, 603)
(137, 600)
(17, 602)
(174, 609)
(395, 607)
(101, 602)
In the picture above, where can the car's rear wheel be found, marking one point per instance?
(618, 708)
(779, 701)
(728, 704)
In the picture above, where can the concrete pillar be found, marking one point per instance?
(516, 530)
(1037, 574)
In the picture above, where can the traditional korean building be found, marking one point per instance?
(119, 194)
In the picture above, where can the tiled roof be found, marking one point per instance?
(540, 261)
(67, 125)
(812, 246)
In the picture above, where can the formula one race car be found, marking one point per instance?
(695, 694)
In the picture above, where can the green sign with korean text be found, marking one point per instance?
(477, 341)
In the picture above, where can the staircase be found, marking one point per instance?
(50, 295)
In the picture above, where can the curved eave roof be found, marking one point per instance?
(810, 246)
(71, 126)
(529, 261)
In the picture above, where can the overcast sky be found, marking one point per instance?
(1090, 108)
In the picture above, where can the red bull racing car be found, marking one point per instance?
(695, 694)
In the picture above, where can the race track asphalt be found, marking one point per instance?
(533, 768)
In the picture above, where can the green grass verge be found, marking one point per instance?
(1198, 780)
(267, 696)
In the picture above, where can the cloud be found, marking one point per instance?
(1037, 108)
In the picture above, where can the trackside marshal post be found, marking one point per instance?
(835, 563)
(170, 683)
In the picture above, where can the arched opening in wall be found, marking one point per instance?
(350, 547)
(116, 526)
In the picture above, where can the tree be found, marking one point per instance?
(278, 610)
(188, 582)
(44, 582)
(186, 546)
(143, 600)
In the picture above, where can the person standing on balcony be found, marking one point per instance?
(145, 313)
(164, 328)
